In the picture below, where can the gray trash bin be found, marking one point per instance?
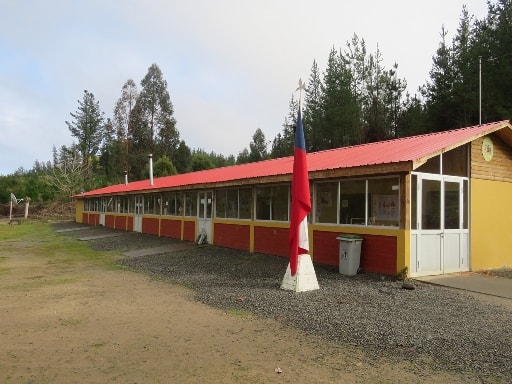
(350, 254)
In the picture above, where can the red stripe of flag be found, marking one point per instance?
(301, 201)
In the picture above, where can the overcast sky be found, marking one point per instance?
(231, 65)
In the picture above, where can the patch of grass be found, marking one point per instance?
(99, 344)
(42, 240)
(242, 313)
(39, 283)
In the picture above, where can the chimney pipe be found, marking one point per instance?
(125, 177)
(150, 169)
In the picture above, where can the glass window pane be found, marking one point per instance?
(263, 202)
(451, 205)
(352, 202)
(245, 203)
(431, 204)
(384, 202)
(191, 203)
(232, 204)
(149, 204)
(327, 202)
(280, 202)
(465, 204)
(221, 203)
(431, 166)
(414, 202)
(455, 162)
(169, 204)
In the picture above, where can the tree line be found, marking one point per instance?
(354, 100)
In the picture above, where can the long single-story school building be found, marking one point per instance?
(434, 203)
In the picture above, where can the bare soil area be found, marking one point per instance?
(78, 322)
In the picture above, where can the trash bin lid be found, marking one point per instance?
(349, 237)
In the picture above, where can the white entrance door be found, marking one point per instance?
(204, 219)
(439, 232)
(102, 212)
(456, 232)
(139, 210)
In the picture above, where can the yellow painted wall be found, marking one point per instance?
(491, 224)
(79, 210)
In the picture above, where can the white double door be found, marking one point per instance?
(138, 212)
(439, 225)
(204, 217)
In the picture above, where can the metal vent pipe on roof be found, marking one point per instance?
(125, 177)
(150, 169)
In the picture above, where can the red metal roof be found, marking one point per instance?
(407, 149)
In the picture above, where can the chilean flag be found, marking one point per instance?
(301, 201)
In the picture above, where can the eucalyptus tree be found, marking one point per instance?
(152, 126)
(157, 113)
(122, 118)
(88, 128)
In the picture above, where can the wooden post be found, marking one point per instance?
(27, 203)
(10, 212)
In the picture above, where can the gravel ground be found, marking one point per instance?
(451, 330)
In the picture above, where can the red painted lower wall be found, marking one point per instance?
(129, 225)
(233, 236)
(150, 226)
(85, 217)
(120, 223)
(110, 221)
(170, 228)
(189, 231)
(94, 219)
(378, 253)
(272, 241)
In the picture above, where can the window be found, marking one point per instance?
(432, 165)
(172, 204)
(123, 204)
(414, 202)
(152, 204)
(245, 203)
(234, 203)
(455, 162)
(383, 201)
(272, 203)
(358, 202)
(452, 205)
(226, 203)
(431, 204)
(327, 202)
(352, 202)
(191, 203)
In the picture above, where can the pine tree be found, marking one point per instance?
(313, 113)
(438, 92)
(258, 147)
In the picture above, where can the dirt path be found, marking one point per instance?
(65, 322)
